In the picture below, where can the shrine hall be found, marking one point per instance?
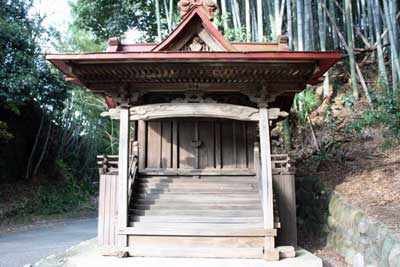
(195, 175)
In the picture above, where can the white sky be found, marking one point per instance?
(57, 12)
(58, 15)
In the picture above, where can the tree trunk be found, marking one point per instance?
(233, 15)
(158, 17)
(333, 15)
(28, 167)
(370, 21)
(260, 25)
(167, 16)
(350, 38)
(381, 62)
(307, 24)
(254, 20)
(44, 149)
(322, 40)
(289, 22)
(343, 40)
(300, 9)
(276, 17)
(224, 15)
(171, 13)
(248, 21)
(392, 38)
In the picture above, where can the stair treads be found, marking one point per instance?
(208, 179)
(206, 252)
(195, 242)
(193, 195)
(231, 186)
(190, 212)
(188, 200)
(196, 191)
(205, 231)
(194, 219)
(206, 225)
(197, 206)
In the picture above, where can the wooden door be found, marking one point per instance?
(196, 144)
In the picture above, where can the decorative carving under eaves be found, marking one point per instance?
(196, 44)
(260, 96)
(194, 97)
(126, 98)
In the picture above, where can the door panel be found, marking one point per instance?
(197, 144)
(207, 148)
(186, 150)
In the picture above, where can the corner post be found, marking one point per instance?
(266, 168)
(123, 170)
(266, 177)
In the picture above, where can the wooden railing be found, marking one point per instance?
(281, 163)
(133, 170)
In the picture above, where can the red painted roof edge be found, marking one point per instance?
(166, 55)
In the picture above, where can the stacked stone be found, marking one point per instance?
(360, 239)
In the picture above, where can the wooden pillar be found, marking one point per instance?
(266, 168)
(123, 170)
(142, 140)
(266, 178)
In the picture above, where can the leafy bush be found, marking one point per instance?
(66, 195)
(386, 113)
(304, 103)
(5, 135)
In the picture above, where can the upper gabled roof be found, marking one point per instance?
(195, 33)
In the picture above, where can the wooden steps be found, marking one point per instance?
(182, 216)
(198, 252)
(202, 247)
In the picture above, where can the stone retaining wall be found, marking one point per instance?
(360, 239)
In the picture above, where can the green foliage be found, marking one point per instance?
(65, 195)
(107, 18)
(5, 135)
(78, 40)
(24, 73)
(304, 103)
(386, 113)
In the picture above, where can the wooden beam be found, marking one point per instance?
(123, 166)
(182, 110)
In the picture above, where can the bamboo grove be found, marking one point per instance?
(366, 30)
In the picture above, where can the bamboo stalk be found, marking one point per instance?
(363, 38)
(393, 48)
(260, 29)
(289, 22)
(158, 20)
(248, 21)
(350, 42)
(381, 63)
(300, 41)
(360, 76)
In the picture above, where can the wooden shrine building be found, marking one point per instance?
(196, 177)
